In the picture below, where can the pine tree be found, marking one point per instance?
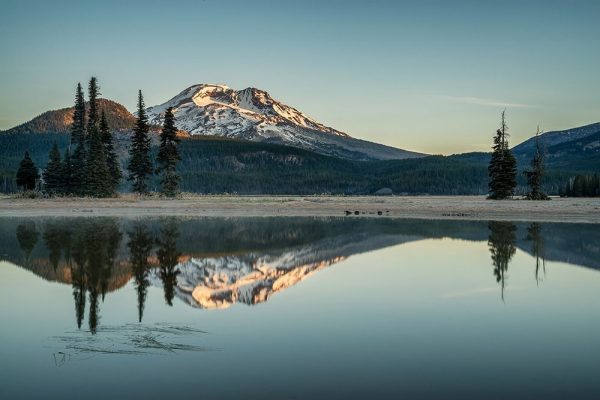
(78, 126)
(168, 156)
(502, 169)
(99, 182)
(111, 156)
(140, 165)
(27, 174)
(53, 173)
(67, 173)
(93, 120)
(78, 159)
(536, 173)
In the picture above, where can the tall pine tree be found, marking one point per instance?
(140, 165)
(536, 173)
(99, 181)
(78, 159)
(502, 169)
(93, 120)
(53, 173)
(27, 174)
(168, 156)
(111, 156)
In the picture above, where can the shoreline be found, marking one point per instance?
(580, 210)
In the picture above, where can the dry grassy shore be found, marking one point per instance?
(425, 207)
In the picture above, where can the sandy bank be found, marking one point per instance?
(427, 207)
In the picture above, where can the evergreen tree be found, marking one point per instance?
(502, 169)
(93, 120)
(53, 174)
(536, 173)
(168, 156)
(99, 182)
(78, 126)
(27, 174)
(111, 156)
(66, 173)
(140, 165)
(78, 159)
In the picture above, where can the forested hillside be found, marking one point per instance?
(217, 165)
(59, 121)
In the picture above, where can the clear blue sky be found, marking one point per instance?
(431, 76)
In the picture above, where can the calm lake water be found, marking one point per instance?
(297, 308)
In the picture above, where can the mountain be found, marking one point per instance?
(252, 114)
(571, 150)
(555, 138)
(59, 121)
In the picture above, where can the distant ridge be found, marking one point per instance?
(553, 138)
(59, 121)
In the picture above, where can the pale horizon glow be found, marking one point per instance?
(430, 76)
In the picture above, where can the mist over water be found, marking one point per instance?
(298, 308)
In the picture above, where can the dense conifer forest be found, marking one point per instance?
(216, 165)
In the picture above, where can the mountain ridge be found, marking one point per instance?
(554, 138)
(59, 121)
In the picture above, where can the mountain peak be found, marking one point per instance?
(252, 103)
(253, 114)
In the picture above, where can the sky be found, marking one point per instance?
(430, 76)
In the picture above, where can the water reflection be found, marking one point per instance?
(89, 249)
(502, 245)
(27, 237)
(502, 242)
(215, 263)
(140, 246)
(534, 234)
(168, 258)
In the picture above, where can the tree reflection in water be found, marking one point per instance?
(502, 244)
(168, 258)
(534, 234)
(218, 262)
(140, 246)
(27, 236)
(89, 248)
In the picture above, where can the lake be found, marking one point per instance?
(296, 308)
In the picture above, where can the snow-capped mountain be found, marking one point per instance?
(252, 114)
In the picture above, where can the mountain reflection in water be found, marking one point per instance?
(215, 262)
